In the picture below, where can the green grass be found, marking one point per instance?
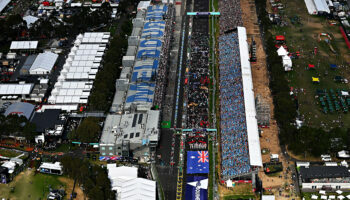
(63, 148)
(9, 153)
(30, 186)
(304, 38)
(307, 195)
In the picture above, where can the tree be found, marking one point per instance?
(29, 131)
(88, 130)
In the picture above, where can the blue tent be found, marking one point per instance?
(333, 66)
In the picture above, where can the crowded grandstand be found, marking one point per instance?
(240, 146)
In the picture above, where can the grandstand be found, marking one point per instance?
(240, 146)
(132, 125)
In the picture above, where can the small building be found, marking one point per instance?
(21, 109)
(43, 63)
(27, 65)
(324, 177)
(49, 122)
(51, 168)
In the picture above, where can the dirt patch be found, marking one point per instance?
(69, 187)
(269, 137)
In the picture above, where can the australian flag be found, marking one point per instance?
(197, 162)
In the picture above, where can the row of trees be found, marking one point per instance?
(314, 141)
(14, 27)
(14, 125)
(93, 179)
(104, 85)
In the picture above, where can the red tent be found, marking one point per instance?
(311, 66)
(280, 37)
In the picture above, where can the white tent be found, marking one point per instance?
(348, 196)
(228, 183)
(324, 197)
(287, 63)
(341, 197)
(322, 192)
(331, 196)
(339, 192)
(30, 20)
(3, 4)
(321, 6)
(43, 63)
(311, 8)
(282, 51)
(314, 197)
(344, 93)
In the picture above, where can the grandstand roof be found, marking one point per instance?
(249, 100)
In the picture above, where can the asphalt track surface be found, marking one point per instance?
(200, 25)
(169, 143)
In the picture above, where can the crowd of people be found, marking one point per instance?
(230, 15)
(161, 76)
(234, 139)
(198, 81)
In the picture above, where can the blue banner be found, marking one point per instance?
(196, 188)
(197, 162)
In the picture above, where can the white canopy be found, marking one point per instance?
(43, 63)
(30, 20)
(348, 196)
(344, 93)
(341, 197)
(322, 192)
(229, 183)
(287, 61)
(339, 192)
(314, 197)
(331, 196)
(324, 197)
(282, 51)
(17, 45)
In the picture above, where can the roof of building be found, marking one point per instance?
(23, 45)
(46, 120)
(29, 62)
(21, 109)
(108, 137)
(44, 62)
(3, 4)
(324, 172)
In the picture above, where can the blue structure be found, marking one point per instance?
(196, 188)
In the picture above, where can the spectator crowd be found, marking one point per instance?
(198, 81)
(234, 138)
(230, 15)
